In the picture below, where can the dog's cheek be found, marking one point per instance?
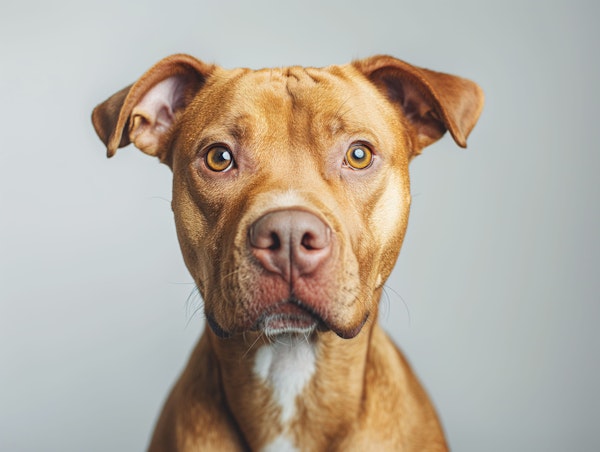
(191, 227)
(388, 221)
(387, 215)
(204, 255)
(193, 254)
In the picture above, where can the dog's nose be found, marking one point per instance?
(291, 243)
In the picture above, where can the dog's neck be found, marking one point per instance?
(292, 389)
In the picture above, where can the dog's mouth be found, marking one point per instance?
(287, 317)
(290, 316)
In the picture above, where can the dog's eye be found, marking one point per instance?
(359, 156)
(219, 159)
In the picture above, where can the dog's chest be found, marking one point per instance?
(286, 366)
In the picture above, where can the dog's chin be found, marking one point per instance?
(275, 325)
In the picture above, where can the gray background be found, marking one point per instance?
(495, 298)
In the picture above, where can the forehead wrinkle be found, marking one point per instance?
(243, 126)
(297, 107)
(344, 123)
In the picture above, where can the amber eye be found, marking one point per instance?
(219, 159)
(359, 156)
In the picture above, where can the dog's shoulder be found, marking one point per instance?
(195, 415)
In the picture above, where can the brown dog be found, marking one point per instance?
(291, 198)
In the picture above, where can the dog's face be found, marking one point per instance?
(291, 188)
(288, 139)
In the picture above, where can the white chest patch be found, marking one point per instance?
(280, 444)
(286, 366)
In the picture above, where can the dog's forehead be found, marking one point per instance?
(331, 100)
(301, 85)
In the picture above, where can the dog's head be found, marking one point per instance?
(290, 186)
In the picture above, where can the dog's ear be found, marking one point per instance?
(432, 102)
(143, 112)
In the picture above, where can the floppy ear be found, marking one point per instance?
(142, 113)
(432, 102)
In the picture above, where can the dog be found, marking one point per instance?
(291, 199)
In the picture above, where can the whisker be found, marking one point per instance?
(230, 274)
(160, 198)
(307, 336)
(407, 309)
(385, 304)
(253, 344)
(194, 294)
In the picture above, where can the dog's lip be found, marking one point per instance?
(287, 317)
(295, 316)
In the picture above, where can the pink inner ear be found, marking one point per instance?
(154, 114)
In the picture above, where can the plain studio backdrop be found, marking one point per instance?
(495, 297)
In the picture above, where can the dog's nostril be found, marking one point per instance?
(316, 239)
(275, 242)
(308, 241)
